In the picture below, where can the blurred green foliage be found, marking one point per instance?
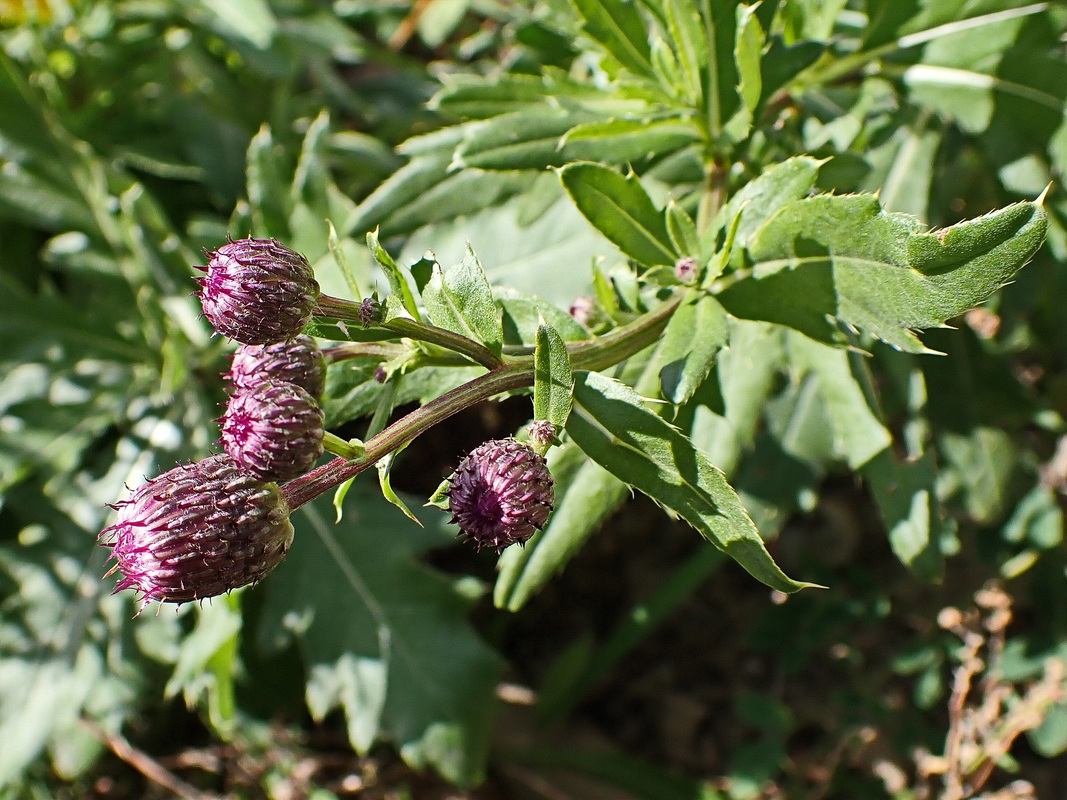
(134, 134)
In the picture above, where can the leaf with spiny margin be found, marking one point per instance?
(459, 299)
(611, 424)
(830, 258)
(761, 198)
(553, 377)
(618, 206)
(617, 26)
(383, 637)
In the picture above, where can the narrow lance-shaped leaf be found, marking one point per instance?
(398, 283)
(617, 26)
(612, 426)
(693, 338)
(460, 300)
(748, 46)
(618, 206)
(552, 377)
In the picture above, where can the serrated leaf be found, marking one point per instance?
(553, 377)
(617, 26)
(460, 300)
(523, 140)
(398, 282)
(697, 331)
(759, 199)
(843, 258)
(612, 426)
(618, 206)
(383, 637)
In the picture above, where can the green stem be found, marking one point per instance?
(348, 311)
(375, 350)
(342, 448)
(609, 349)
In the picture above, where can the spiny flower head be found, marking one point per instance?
(500, 494)
(198, 531)
(258, 291)
(273, 430)
(298, 360)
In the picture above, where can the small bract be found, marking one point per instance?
(198, 531)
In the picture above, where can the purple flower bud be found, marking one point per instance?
(685, 269)
(583, 309)
(273, 431)
(298, 360)
(258, 291)
(370, 312)
(500, 494)
(198, 531)
(542, 432)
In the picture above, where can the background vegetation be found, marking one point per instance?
(627, 659)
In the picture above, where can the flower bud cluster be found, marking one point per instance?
(206, 528)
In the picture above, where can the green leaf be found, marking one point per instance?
(748, 47)
(522, 317)
(906, 495)
(553, 377)
(686, 30)
(267, 176)
(617, 26)
(697, 331)
(385, 467)
(832, 258)
(759, 199)
(619, 208)
(612, 426)
(383, 637)
(529, 139)
(682, 230)
(460, 300)
(859, 434)
(624, 140)
(251, 20)
(398, 282)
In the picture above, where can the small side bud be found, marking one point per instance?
(542, 434)
(685, 269)
(198, 531)
(258, 291)
(273, 431)
(370, 312)
(500, 494)
(298, 360)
